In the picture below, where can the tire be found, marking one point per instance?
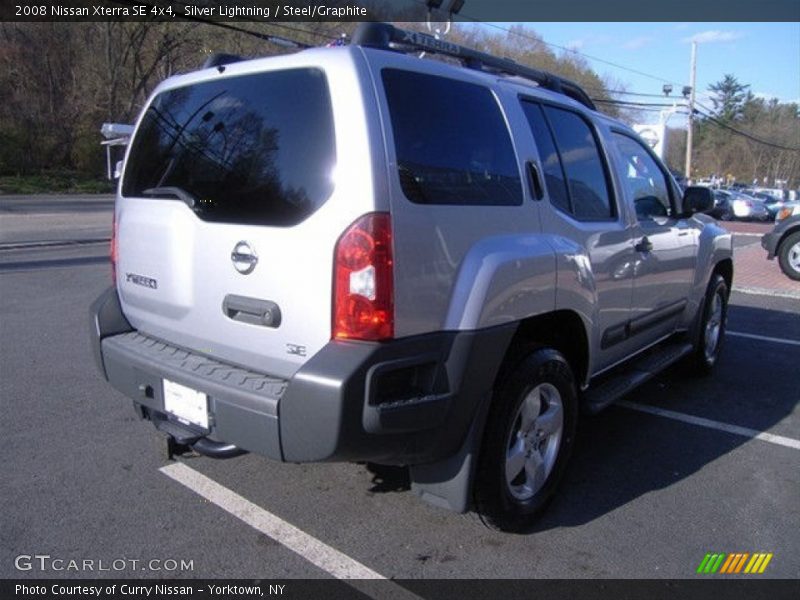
(529, 435)
(711, 332)
(789, 256)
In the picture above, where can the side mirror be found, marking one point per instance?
(697, 199)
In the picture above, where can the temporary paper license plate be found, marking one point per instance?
(190, 406)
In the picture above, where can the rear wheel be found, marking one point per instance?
(529, 436)
(712, 326)
(789, 256)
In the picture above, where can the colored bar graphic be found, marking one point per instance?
(752, 562)
(710, 563)
(703, 563)
(765, 563)
(757, 566)
(741, 562)
(729, 564)
(717, 563)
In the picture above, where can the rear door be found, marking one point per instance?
(225, 226)
(583, 210)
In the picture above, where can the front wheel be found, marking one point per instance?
(789, 256)
(712, 326)
(528, 438)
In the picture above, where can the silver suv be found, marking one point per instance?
(354, 254)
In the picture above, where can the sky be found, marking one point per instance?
(764, 55)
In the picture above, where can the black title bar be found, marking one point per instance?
(399, 10)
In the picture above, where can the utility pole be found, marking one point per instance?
(692, 77)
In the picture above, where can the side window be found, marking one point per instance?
(573, 169)
(647, 185)
(551, 164)
(588, 187)
(452, 143)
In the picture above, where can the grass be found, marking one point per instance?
(47, 182)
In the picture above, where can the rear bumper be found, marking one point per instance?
(408, 401)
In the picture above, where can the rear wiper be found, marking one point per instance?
(176, 192)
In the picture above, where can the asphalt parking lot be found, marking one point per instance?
(682, 468)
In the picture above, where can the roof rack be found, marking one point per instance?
(389, 37)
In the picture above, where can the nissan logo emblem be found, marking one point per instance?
(244, 258)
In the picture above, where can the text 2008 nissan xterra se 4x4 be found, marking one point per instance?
(354, 254)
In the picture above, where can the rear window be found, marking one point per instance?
(255, 149)
(452, 143)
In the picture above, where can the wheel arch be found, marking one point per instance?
(793, 228)
(725, 268)
(561, 330)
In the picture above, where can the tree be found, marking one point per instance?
(730, 98)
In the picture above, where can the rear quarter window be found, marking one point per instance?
(254, 149)
(451, 141)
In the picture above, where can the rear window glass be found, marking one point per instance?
(452, 143)
(252, 149)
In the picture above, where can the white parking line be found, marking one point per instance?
(719, 426)
(763, 338)
(757, 291)
(318, 553)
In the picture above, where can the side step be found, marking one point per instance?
(641, 370)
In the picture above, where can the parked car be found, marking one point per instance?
(730, 205)
(355, 254)
(772, 203)
(784, 240)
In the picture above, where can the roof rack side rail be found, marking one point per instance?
(389, 37)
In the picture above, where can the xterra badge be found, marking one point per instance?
(147, 282)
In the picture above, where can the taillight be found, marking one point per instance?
(363, 292)
(113, 250)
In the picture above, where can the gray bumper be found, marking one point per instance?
(243, 405)
(769, 241)
(408, 401)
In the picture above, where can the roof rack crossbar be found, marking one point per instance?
(389, 37)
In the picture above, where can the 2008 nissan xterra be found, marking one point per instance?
(355, 254)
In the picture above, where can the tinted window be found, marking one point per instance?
(251, 149)
(452, 144)
(551, 164)
(588, 189)
(646, 183)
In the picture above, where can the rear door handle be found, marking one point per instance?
(644, 245)
(534, 180)
(253, 311)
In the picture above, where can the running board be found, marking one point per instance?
(639, 371)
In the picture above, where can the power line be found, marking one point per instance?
(745, 134)
(627, 103)
(280, 26)
(626, 93)
(274, 39)
(563, 48)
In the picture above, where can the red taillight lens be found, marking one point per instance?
(113, 250)
(363, 294)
